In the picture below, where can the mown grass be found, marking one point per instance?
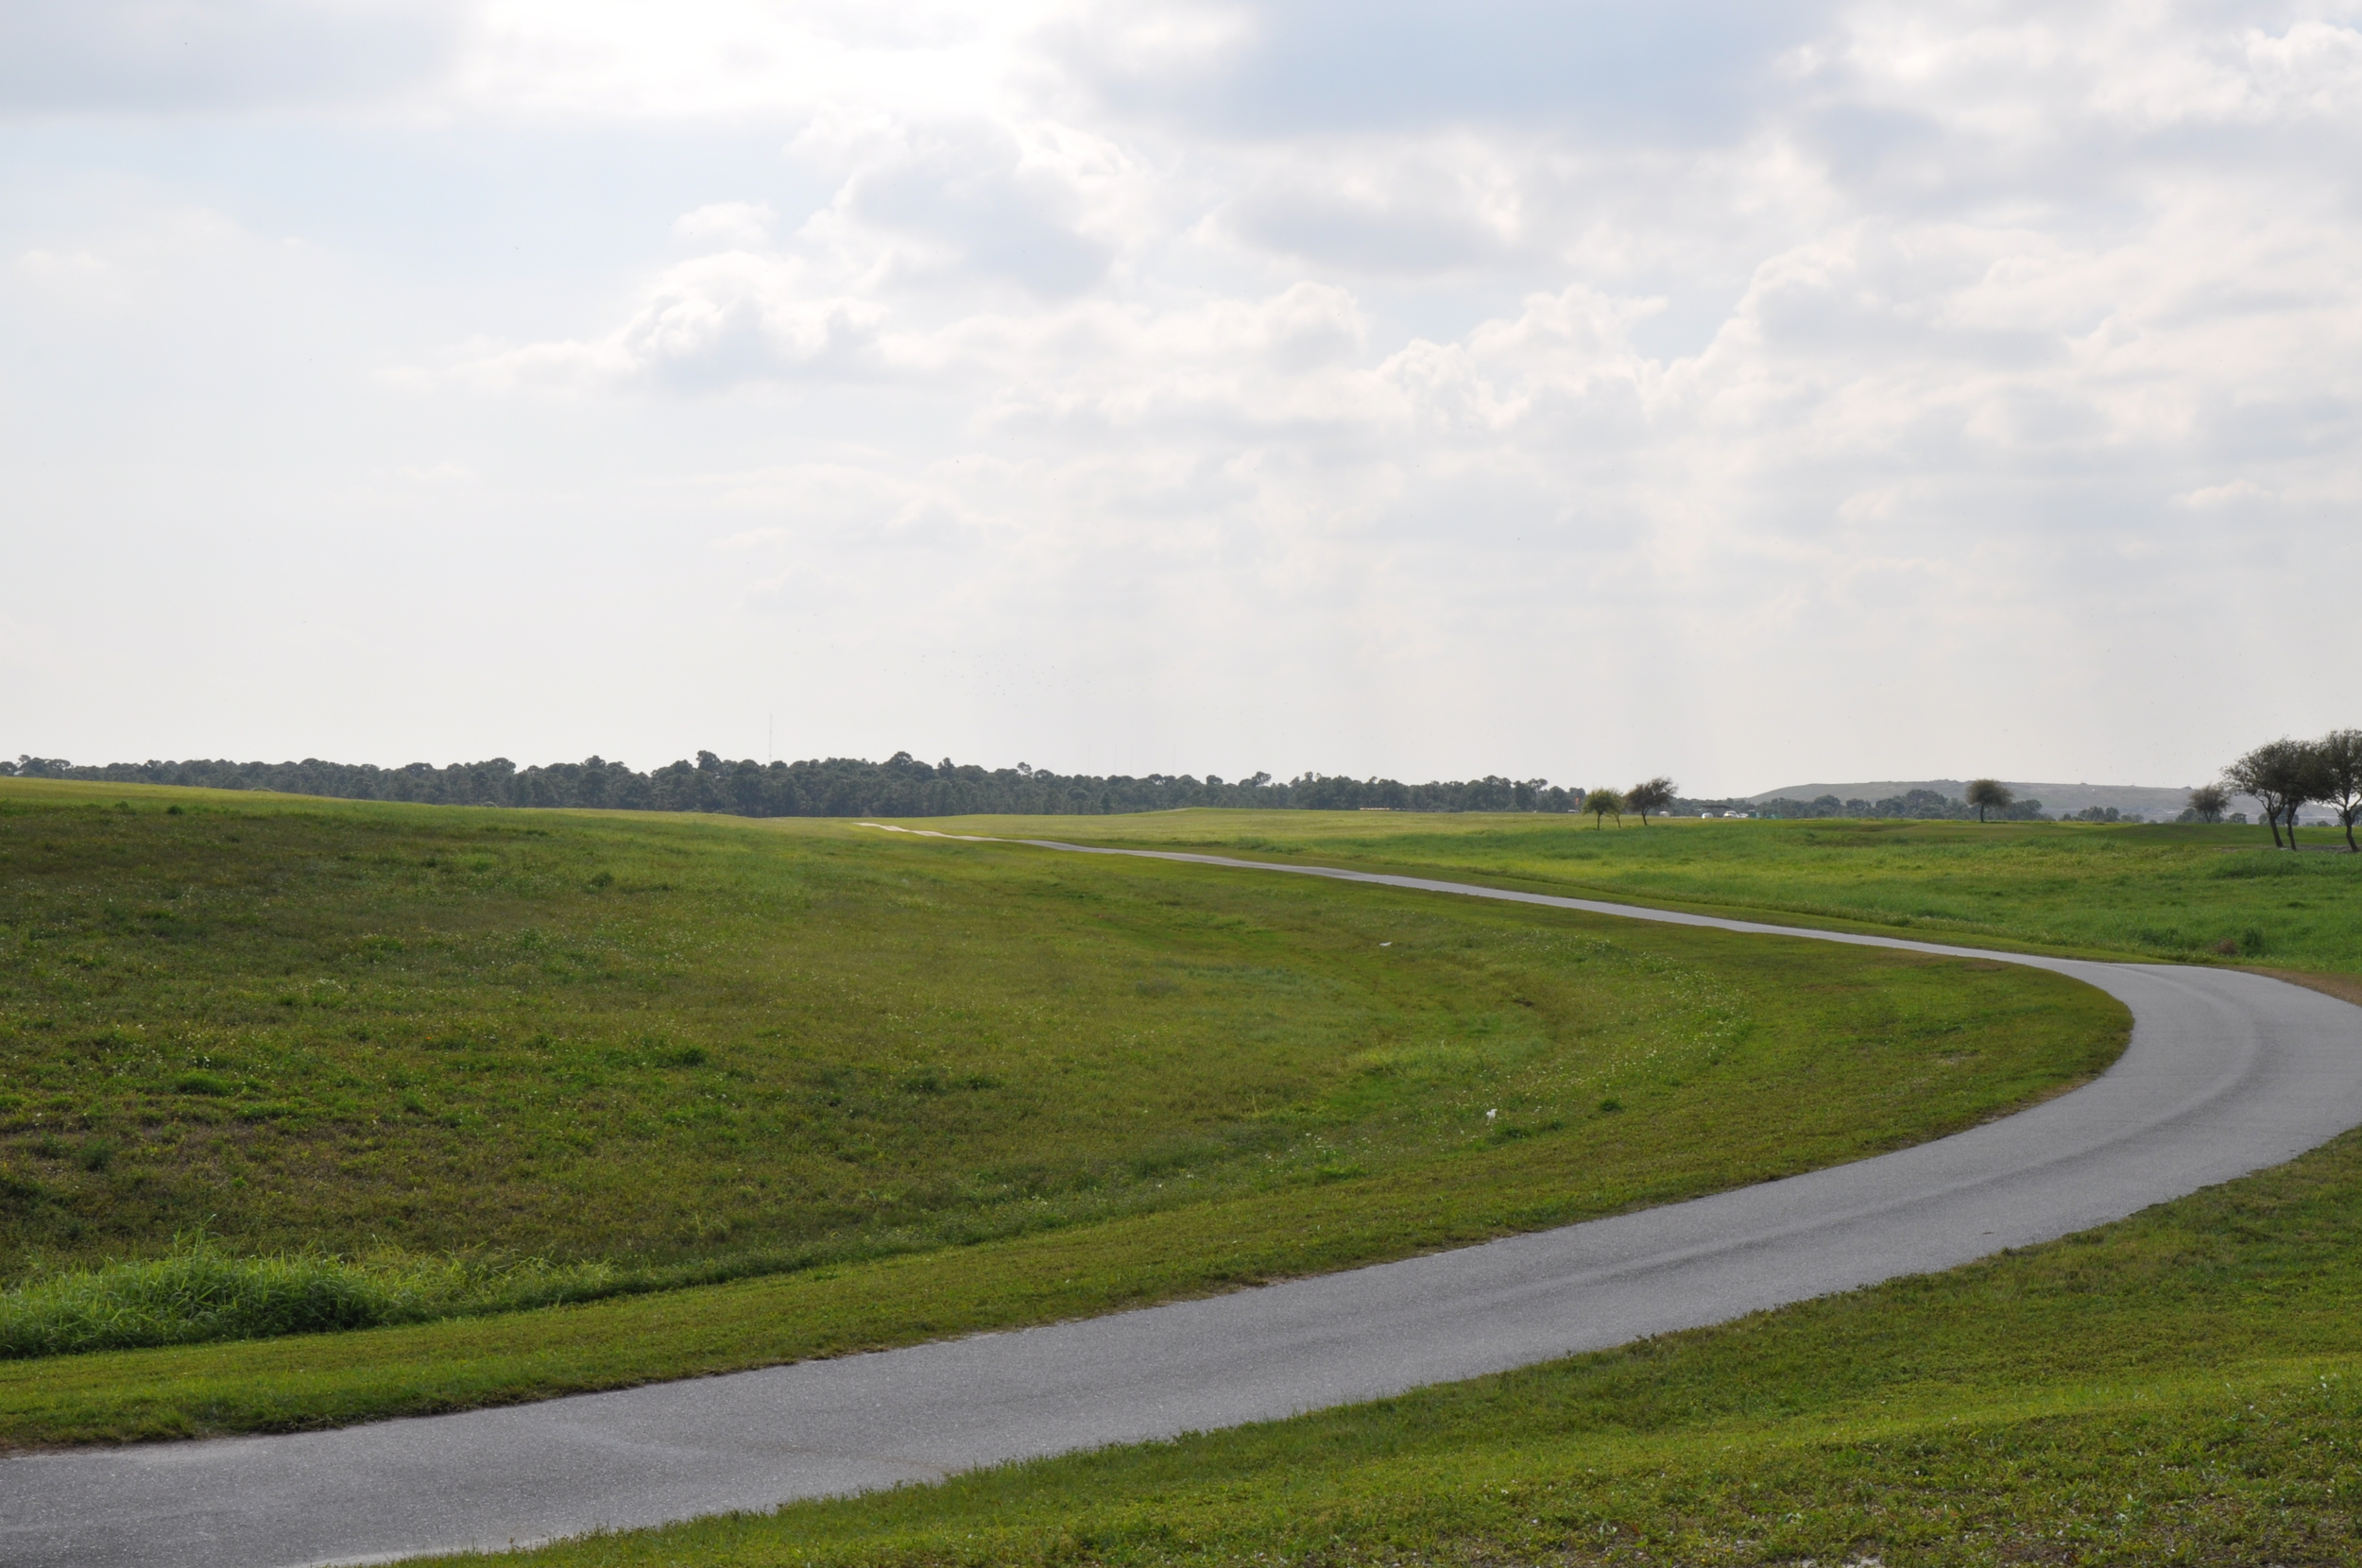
(2188, 893)
(814, 1059)
(2183, 1386)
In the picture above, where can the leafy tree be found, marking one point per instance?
(1650, 794)
(2338, 756)
(2281, 774)
(1989, 795)
(2306, 780)
(1599, 803)
(2208, 802)
(2250, 775)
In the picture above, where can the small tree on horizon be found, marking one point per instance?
(1601, 802)
(1650, 795)
(1989, 795)
(2208, 802)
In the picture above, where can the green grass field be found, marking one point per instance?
(744, 1092)
(2183, 1386)
(2188, 893)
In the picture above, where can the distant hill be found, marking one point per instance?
(2158, 803)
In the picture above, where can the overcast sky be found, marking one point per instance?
(1757, 393)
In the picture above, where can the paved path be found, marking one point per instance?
(2227, 1073)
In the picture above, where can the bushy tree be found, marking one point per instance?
(1650, 794)
(2283, 775)
(1989, 795)
(1601, 803)
(2208, 802)
(2250, 775)
(2339, 758)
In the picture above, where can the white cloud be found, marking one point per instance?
(733, 225)
(975, 198)
(716, 321)
(2027, 74)
(2233, 493)
(746, 59)
(1396, 207)
(1147, 44)
(69, 264)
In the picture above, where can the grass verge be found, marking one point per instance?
(2183, 1386)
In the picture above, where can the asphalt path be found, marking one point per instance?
(2226, 1073)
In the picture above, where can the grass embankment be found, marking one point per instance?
(2183, 1386)
(2184, 892)
(897, 1089)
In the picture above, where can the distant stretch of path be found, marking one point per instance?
(2227, 1073)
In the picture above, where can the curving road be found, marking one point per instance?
(2226, 1073)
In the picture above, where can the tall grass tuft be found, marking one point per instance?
(199, 1292)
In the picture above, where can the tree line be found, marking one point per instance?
(901, 786)
(1986, 800)
(2283, 775)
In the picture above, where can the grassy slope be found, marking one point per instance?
(725, 1047)
(2165, 891)
(2183, 1387)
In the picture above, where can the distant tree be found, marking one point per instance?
(2305, 778)
(2339, 759)
(1989, 795)
(1650, 794)
(2281, 774)
(2250, 776)
(2208, 802)
(1600, 803)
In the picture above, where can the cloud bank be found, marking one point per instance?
(1744, 390)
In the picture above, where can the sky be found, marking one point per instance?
(1743, 391)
